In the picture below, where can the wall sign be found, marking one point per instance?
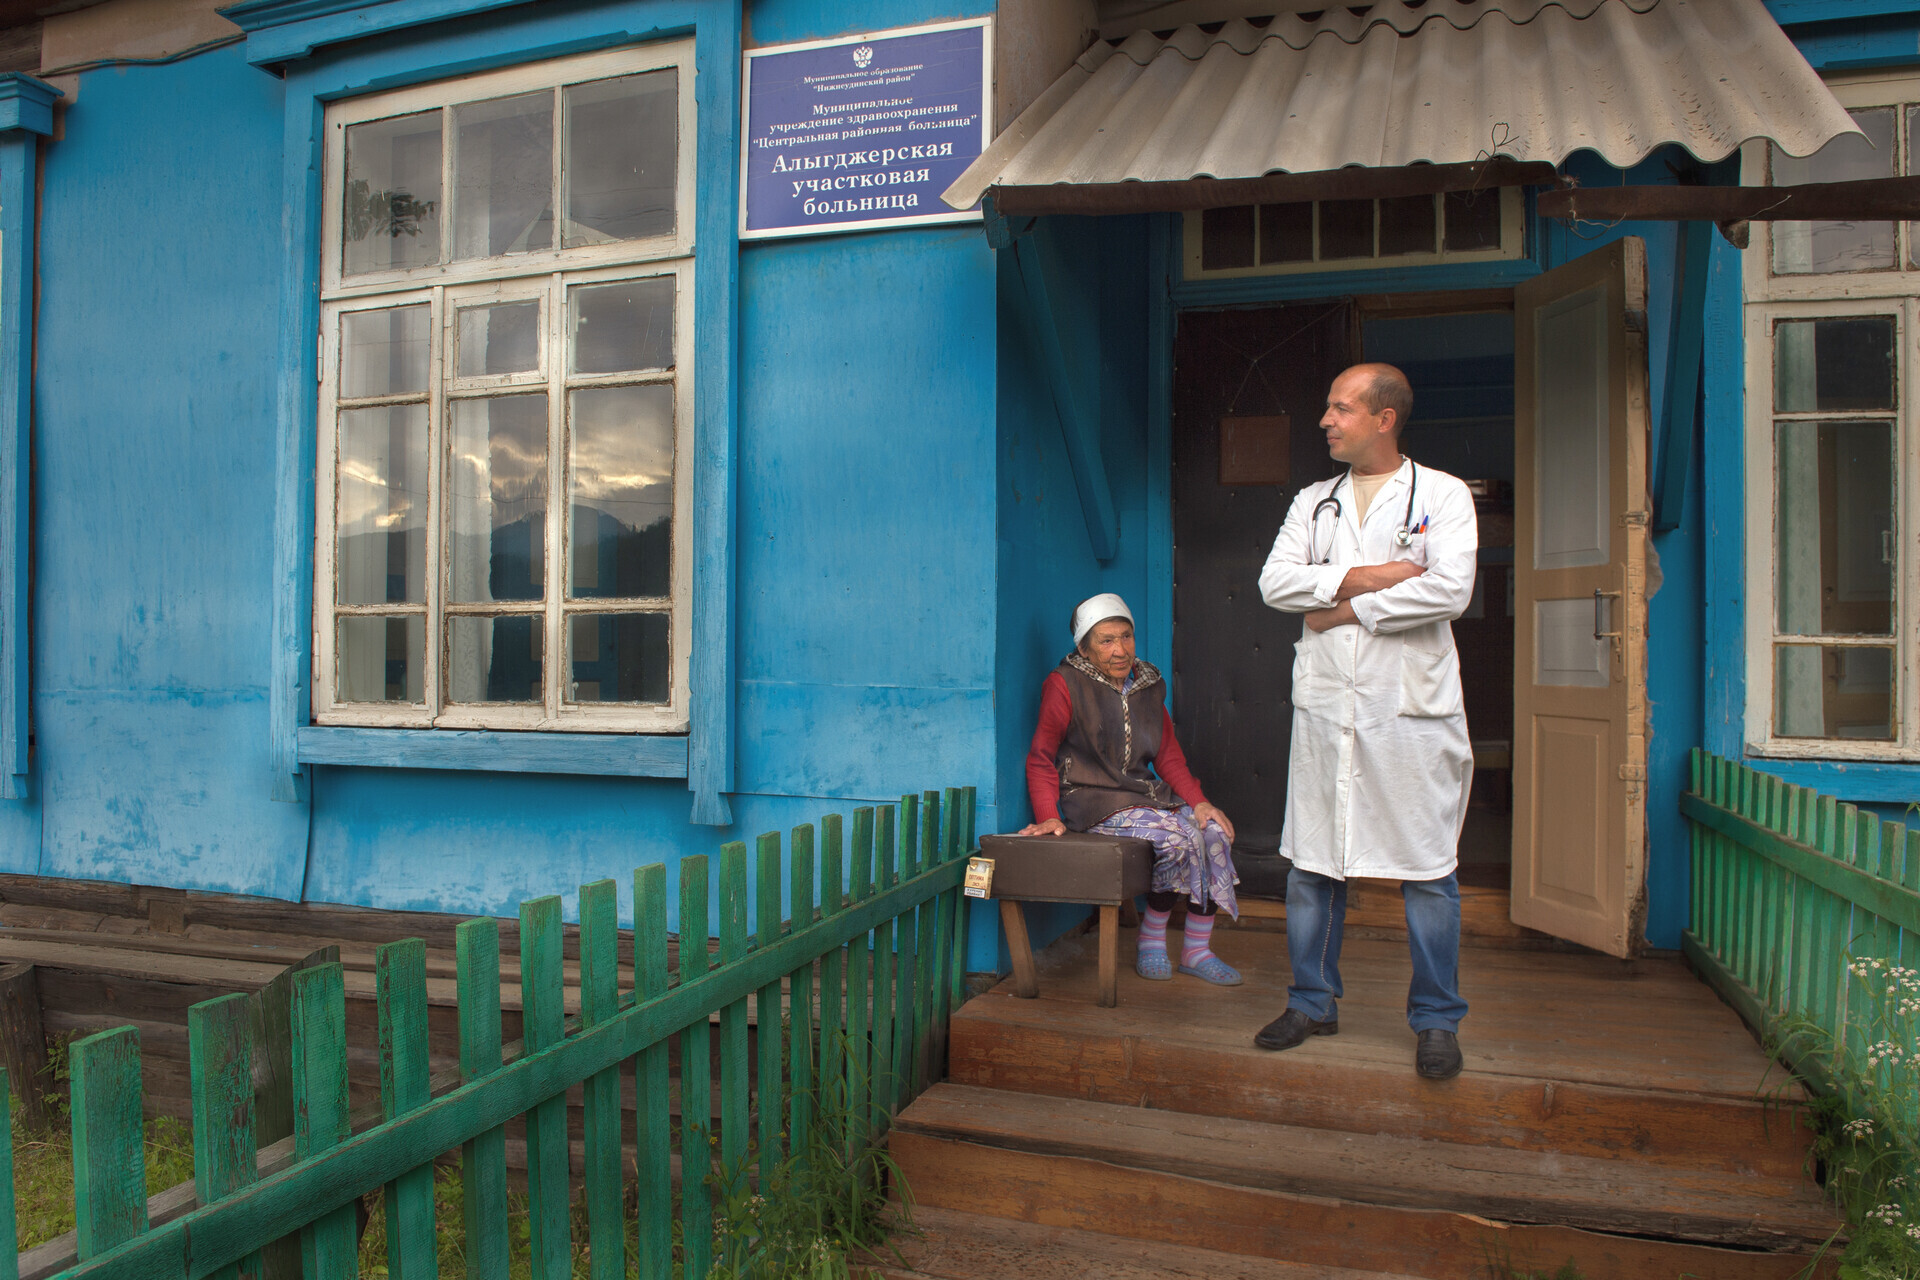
(862, 132)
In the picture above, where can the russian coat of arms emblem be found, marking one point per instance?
(862, 56)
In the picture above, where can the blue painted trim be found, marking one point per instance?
(624, 755)
(1869, 782)
(1254, 290)
(712, 709)
(26, 112)
(1686, 339)
(281, 33)
(1161, 320)
(1074, 400)
(26, 103)
(1723, 467)
(505, 58)
(1790, 11)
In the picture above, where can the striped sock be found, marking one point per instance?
(1153, 931)
(1193, 944)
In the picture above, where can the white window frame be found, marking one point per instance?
(1512, 245)
(547, 274)
(1770, 299)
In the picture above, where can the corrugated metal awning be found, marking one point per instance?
(1438, 82)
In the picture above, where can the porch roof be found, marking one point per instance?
(1145, 123)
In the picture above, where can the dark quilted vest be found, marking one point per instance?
(1110, 741)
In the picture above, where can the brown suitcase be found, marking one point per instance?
(1075, 867)
(1103, 871)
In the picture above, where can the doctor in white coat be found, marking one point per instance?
(1380, 560)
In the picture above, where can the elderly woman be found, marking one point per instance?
(1104, 759)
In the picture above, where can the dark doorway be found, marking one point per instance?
(1248, 391)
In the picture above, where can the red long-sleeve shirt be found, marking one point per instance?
(1043, 776)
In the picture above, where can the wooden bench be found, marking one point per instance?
(1098, 870)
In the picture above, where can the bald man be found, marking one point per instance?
(1380, 560)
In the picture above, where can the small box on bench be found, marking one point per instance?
(1076, 867)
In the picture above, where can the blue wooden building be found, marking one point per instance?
(419, 488)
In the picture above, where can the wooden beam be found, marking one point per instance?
(1353, 183)
(23, 1043)
(1870, 200)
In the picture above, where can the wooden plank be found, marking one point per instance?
(109, 1161)
(328, 1244)
(543, 1025)
(9, 1226)
(830, 1082)
(1863, 200)
(483, 1158)
(653, 1124)
(696, 1159)
(883, 1082)
(801, 1041)
(23, 1042)
(913, 941)
(1109, 956)
(733, 1020)
(1020, 949)
(599, 1002)
(767, 1006)
(859, 988)
(270, 1010)
(402, 979)
(225, 1158)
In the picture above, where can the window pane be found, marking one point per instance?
(1824, 691)
(1833, 365)
(1834, 528)
(495, 659)
(381, 516)
(622, 140)
(618, 657)
(1286, 232)
(503, 176)
(380, 659)
(1346, 229)
(500, 339)
(384, 353)
(1913, 166)
(1801, 247)
(1226, 238)
(392, 213)
(622, 491)
(621, 327)
(497, 499)
(1407, 225)
(1473, 220)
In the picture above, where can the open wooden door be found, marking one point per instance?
(1580, 605)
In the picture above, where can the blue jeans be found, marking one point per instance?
(1316, 915)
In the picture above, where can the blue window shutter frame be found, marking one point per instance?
(26, 116)
(311, 43)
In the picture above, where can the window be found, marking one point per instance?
(502, 514)
(1317, 235)
(1831, 324)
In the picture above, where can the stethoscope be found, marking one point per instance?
(1402, 537)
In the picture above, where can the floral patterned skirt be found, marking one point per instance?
(1187, 858)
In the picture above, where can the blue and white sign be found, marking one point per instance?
(864, 132)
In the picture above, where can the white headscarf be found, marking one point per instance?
(1096, 610)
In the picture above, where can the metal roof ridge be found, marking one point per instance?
(1348, 25)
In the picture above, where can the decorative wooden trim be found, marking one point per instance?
(1855, 781)
(1686, 338)
(283, 31)
(26, 114)
(618, 754)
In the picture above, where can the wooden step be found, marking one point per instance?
(1575, 1054)
(943, 1244)
(1376, 910)
(1389, 1205)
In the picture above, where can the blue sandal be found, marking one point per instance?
(1215, 970)
(1154, 966)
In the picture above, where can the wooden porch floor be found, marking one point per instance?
(1611, 1112)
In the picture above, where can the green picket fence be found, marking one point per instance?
(1789, 888)
(888, 956)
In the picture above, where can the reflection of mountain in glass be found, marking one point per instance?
(373, 566)
(614, 560)
(513, 668)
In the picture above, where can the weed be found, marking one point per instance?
(43, 1173)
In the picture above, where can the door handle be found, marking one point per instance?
(1598, 597)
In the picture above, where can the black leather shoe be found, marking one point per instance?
(1292, 1028)
(1437, 1056)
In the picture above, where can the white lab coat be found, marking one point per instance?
(1381, 765)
